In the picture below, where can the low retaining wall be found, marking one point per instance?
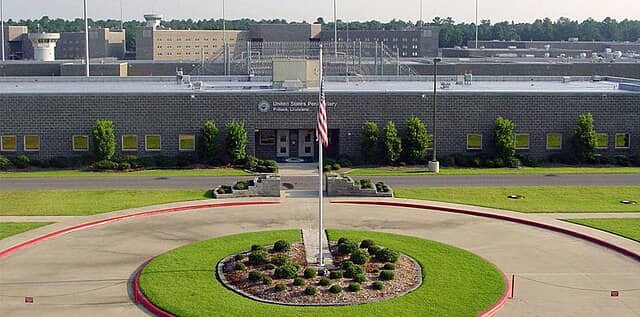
(263, 186)
(340, 186)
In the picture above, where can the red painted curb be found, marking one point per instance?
(139, 297)
(16, 248)
(503, 299)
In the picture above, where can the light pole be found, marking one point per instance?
(477, 24)
(224, 38)
(434, 165)
(421, 17)
(335, 29)
(86, 39)
(2, 26)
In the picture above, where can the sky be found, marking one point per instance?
(349, 10)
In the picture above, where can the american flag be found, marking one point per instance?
(322, 130)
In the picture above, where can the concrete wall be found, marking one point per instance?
(284, 32)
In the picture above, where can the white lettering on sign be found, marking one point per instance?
(295, 106)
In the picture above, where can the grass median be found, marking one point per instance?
(548, 199)
(422, 171)
(216, 172)
(88, 202)
(626, 227)
(8, 229)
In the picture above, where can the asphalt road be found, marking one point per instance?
(310, 182)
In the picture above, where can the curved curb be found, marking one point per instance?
(503, 299)
(532, 223)
(139, 297)
(55, 234)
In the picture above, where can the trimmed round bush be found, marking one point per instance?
(389, 267)
(388, 255)
(347, 247)
(240, 266)
(365, 244)
(280, 259)
(239, 257)
(255, 276)
(342, 240)
(353, 270)
(310, 273)
(387, 275)
(258, 257)
(280, 287)
(21, 161)
(324, 282)
(360, 257)
(354, 287)
(310, 290)
(256, 247)
(270, 266)
(282, 246)
(334, 275)
(374, 249)
(267, 280)
(298, 281)
(359, 278)
(4, 163)
(377, 285)
(286, 271)
(335, 289)
(375, 271)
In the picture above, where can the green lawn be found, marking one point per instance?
(422, 171)
(8, 229)
(149, 173)
(87, 202)
(570, 199)
(455, 282)
(628, 227)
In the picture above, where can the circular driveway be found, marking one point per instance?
(87, 272)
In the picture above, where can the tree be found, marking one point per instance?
(392, 143)
(417, 140)
(505, 139)
(209, 140)
(104, 140)
(236, 141)
(370, 142)
(585, 139)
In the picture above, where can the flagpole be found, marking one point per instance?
(320, 171)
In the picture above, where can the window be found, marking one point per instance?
(267, 137)
(474, 141)
(187, 142)
(623, 140)
(129, 142)
(8, 143)
(31, 143)
(554, 141)
(80, 143)
(153, 143)
(522, 141)
(602, 141)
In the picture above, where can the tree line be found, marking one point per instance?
(451, 33)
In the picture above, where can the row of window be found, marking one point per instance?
(554, 141)
(80, 143)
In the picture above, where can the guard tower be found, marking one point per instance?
(153, 20)
(44, 46)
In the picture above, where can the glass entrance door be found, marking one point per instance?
(306, 141)
(283, 144)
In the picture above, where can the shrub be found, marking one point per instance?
(359, 278)
(375, 271)
(224, 189)
(241, 185)
(585, 139)
(124, 166)
(334, 275)
(387, 275)
(374, 249)
(369, 145)
(240, 266)
(282, 246)
(392, 143)
(366, 244)
(335, 166)
(256, 247)
(335, 289)
(104, 140)
(258, 257)
(280, 287)
(326, 168)
(366, 184)
(310, 290)
(377, 285)
(239, 257)
(255, 276)
(388, 255)
(209, 141)
(417, 140)
(389, 267)
(382, 187)
(286, 271)
(21, 161)
(280, 259)
(360, 257)
(5, 164)
(324, 282)
(514, 163)
(132, 160)
(347, 247)
(267, 280)
(505, 139)
(251, 163)
(351, 269)
(106, 165)
(310, 273)
(236, 144)
(298, 281)
(270, 266)
(354, 287)
(342, 240)
(344, 161)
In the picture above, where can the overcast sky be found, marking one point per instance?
(298, 10)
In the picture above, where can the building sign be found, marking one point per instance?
(290, 106)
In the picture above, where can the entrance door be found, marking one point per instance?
(283, 143)
(306, 139)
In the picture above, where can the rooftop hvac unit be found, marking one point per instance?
(596, 78)
(566, 79)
